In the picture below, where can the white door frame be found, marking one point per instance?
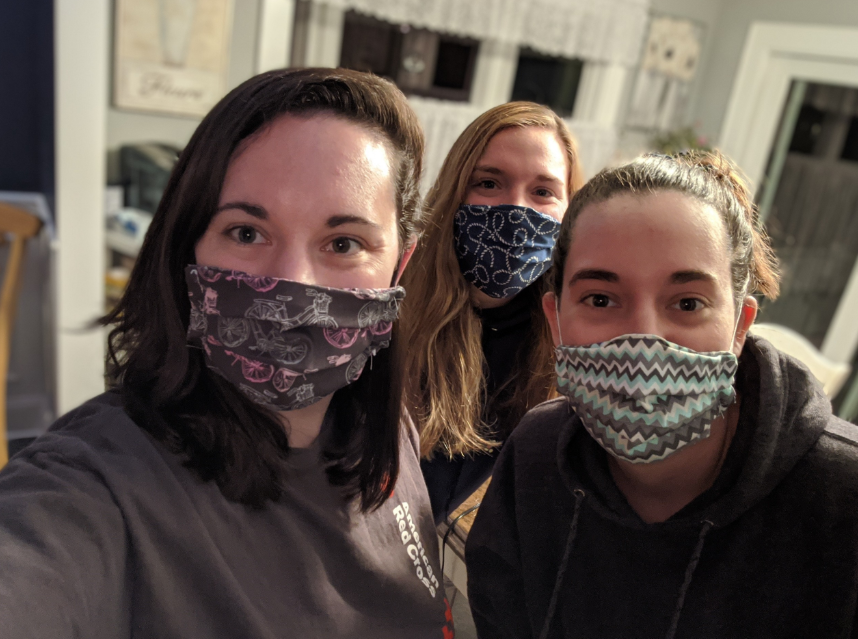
(775, 54)
(82, 56)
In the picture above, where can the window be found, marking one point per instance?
(420, 61)
(547, 80)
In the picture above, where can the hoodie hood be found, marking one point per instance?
(784, 412)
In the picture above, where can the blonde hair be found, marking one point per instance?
(444, 363)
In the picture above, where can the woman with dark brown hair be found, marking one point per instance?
(479, 351)
(251, 475)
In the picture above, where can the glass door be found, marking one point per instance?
(809, 203)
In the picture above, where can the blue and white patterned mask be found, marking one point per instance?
(503, 249)
(643, 398)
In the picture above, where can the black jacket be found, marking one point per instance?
(770, 550)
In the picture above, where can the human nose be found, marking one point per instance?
(295, 264)
(518, 196)
(645, 319)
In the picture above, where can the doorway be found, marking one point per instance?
(808, 201)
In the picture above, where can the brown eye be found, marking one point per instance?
(689, 304)
(246, 234)
(344, 245)
(600, 301)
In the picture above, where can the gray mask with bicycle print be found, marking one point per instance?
(284, 344)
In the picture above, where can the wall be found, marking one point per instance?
(706, 13)
(732, 25)
(124, 127)
(27, 96)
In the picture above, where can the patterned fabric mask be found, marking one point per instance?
(503, 249)
(284, 344)
(644, 398)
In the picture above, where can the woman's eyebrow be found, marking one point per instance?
(250, 209)
(493, 170)
(684, 277)
(593, 274)
(549, 178)
(338, 220)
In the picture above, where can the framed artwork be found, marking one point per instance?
(668, 67)
(171, 56)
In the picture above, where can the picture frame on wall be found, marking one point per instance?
(171, 56)
(664, 79)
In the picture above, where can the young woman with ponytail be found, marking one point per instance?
(692, 480)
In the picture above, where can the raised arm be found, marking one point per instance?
(62, 551)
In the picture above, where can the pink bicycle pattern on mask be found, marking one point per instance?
(233, 331)
(288, 350)
(283, 379)
(198, 320)
(253, 371)
(378, 316)
(276, 311)
(355, 368)
(209, 274)
(341, 337)
(258, 283)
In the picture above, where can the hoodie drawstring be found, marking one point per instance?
(561, 572)
(689, 573)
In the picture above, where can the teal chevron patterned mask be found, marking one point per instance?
(644, 398)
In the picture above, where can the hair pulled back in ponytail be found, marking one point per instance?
(709, 177)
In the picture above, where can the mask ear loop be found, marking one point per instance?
(557, 315)
(741, 309)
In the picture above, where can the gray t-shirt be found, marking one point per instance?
(104, 533)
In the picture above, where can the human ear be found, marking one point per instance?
(410, 246)
(746, 319)
(550, 307)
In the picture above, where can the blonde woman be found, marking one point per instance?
(479, 352)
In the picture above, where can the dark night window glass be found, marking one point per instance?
(420, 61)
(370, 45)
(807, 130)
(451, 67)
(850, 146)
(547, 80)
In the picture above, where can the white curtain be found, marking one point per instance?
(443, 121)
(594, 30)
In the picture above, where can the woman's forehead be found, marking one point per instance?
(654, 232)
(327, 165)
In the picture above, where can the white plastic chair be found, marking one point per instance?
(831, 374)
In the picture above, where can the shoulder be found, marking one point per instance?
(838, 445)
(98, 440)
(542, 424)
(532, 447)
(101, 422)
(830, 468)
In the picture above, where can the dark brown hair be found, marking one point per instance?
(709, 177)
(166, 386)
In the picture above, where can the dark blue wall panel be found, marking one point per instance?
(27, 96)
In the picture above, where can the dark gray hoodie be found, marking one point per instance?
(104, 534)
(770, 550)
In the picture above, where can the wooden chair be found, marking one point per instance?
(16, 227)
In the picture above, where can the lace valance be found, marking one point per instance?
(443, 121)
(595, 30)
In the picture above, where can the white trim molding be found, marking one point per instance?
(775, 54)
(276, 22)
(82, 52)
